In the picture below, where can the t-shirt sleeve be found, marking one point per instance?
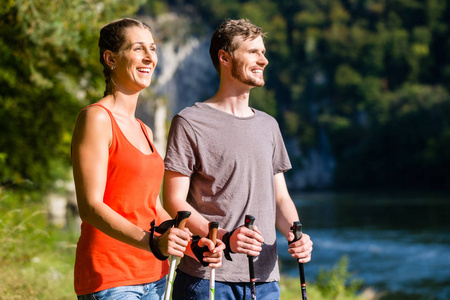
(181, 147)
(281, 162)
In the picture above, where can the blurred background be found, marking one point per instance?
(360, 88)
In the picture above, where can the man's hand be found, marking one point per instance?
(246, 241)
(301, 249)
(214, 255)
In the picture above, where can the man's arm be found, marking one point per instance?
(175, 191)
(214, 257)
(286, 216)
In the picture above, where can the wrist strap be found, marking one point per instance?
(153, 242)
(198, 251)
(226, 240)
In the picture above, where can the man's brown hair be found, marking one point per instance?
(224, 38)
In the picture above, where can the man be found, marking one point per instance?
(226, 160)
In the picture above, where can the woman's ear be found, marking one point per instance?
(108, 56)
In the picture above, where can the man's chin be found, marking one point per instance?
(256, 83)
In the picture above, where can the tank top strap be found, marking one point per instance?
(113, 120)
(117, 134)
(144, 129)
(114, 126)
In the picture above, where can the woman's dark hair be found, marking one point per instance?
(112, 38)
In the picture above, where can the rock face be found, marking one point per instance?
(317, 165)
(184, 74)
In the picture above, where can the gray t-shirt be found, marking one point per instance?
(231, 162)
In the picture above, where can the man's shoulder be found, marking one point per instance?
(190, 111)
(262, 113)
(265, 116)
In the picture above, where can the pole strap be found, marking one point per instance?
(153, 242)
(198, 251)
(226, 240)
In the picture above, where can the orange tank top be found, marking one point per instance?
(132, 187)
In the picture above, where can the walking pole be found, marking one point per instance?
(297, 229)
(180, 222)
(249, 219)
(213, 226)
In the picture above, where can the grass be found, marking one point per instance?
(36, 258)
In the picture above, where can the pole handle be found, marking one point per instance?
(181, 218)
(297, 230)
(249, 220)
(213, 227)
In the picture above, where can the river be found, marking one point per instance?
(396, 242)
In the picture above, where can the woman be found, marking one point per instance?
(118, 175)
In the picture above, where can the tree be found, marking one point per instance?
(49, 69)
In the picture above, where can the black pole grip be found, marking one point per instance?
(297, 230)
(181, 216)
(249, 220)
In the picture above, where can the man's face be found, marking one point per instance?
(248, 62)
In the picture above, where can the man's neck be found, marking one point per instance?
(232, 101)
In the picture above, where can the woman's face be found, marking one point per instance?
(136, 61)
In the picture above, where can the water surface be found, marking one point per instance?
(397, 242)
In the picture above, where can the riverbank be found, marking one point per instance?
(36, 258)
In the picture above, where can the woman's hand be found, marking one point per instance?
(174, 241)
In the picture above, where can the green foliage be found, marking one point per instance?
(408, 136)
(263, 100)
(334, 284)
(36, 259)
(337, 283)
(49, 70)
(368, 73)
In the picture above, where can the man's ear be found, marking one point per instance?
(224, 57)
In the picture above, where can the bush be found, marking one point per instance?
(334, 284)
(337, 283)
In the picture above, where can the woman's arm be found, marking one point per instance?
(90, 145)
